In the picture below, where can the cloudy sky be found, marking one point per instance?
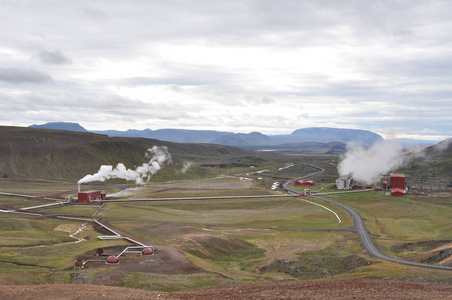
(242, 66)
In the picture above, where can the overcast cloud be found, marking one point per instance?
(242, 66)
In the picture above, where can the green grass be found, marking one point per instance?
(284, 212)
(392, 220)
(233, 238)
(226, 252)
(171, 283)
(29, 232)
(35, 243)
(315, 188)
(81, 210)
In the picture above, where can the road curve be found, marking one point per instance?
(361, 229)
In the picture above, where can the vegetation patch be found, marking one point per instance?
(440, 256)
(224, 250)
(423, 246)
(170, 283)
(317, 267)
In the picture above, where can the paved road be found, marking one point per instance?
(361, 230)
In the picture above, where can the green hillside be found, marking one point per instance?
(431, 168)
(57, 154)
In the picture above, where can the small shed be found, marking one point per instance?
(299, 182)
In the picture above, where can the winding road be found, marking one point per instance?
(361, 229)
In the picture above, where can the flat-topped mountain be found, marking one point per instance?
(61, 126)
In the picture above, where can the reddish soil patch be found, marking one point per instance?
(315, 289)
(165, 260)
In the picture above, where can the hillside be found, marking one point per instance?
(58, 154)
(432, 167)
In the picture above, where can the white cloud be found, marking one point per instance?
(269, 66)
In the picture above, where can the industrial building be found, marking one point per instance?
(88, 196)
(397, 183)
(302, 182)
(344, 182)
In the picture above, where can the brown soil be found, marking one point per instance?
(166, 260)
(315, 289)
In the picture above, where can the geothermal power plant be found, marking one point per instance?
(396, 186)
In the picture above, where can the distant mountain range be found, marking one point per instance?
(299, 139)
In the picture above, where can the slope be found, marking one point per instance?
(432, 167)
(59, 154)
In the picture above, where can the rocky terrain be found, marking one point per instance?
(315, 289)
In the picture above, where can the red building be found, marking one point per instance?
(397, 192)
(88, 196)
(299, 182)
(397, 182)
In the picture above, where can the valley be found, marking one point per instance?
(215, 242)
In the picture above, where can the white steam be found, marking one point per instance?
(186, 166)
(158, 158)
(368, 164)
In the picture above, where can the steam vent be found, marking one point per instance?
(147, 251)
(112, 260)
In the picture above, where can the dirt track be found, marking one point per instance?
(316, 289)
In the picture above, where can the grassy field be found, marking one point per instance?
(42, 247)
(281, 213)
(232, 241)
(397, 220)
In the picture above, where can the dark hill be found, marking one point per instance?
(432, 167)
(58, 154)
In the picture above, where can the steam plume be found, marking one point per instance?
(367, 165)
(186, 166)
(158, 158)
